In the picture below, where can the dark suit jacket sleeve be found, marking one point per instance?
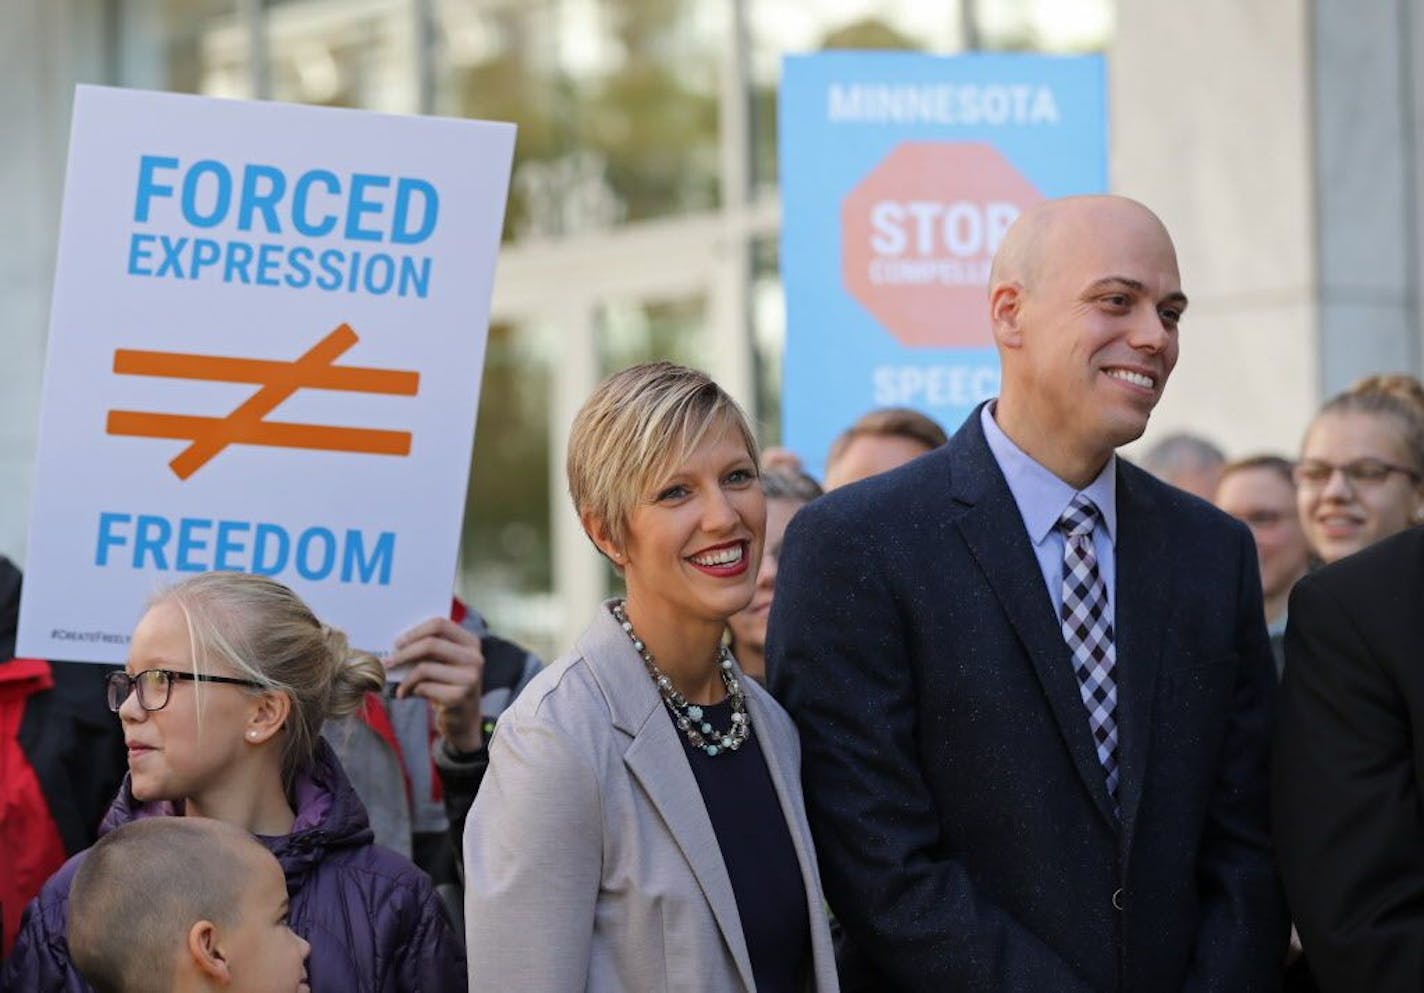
(1347, 806)
(840, 663)
(1242, 932)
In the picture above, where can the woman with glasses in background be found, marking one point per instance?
(1345, 804)
(229, 679)
(1361, 472)
(787, 491)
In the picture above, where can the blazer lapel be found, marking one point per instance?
(655, 759)
(785, 779)
(993, 529)
(1143, 598)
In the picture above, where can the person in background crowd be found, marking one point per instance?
(1360, 477)
(783, 460)
(878, 442)
(417, 751)
(1187, 462)
(183, 905)
(61, 762)
(1260, 492)
(1338, 773)
(786, 493)
(1348, 790)
(1033, 682)
(229, 680)
(640, 826)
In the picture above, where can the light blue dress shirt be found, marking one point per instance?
(1042, 498)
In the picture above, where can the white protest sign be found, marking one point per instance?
(264, 355)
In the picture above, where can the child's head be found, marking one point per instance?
(234, 663)
(183, 903)
(1360, 478)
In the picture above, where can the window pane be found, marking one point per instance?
(768, 314)
(646, 331)
(351, 53)
(506, 558)
(1045, 25)
(616, 102)
(184, 46)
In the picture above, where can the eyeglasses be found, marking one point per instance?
(1314, 474)
(153, 686)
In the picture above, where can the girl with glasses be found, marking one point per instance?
(1360, 479)
(1361, 473)
(229, 679)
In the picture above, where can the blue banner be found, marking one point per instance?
(899, 175)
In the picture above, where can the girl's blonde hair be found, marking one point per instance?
(635, 427)
(1393, 395)
(262, 630)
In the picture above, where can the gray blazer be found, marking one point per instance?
(590, 861)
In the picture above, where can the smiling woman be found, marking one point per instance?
(663, 473)
(646, 845)
(1361, 473)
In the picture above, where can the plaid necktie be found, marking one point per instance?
(1089, 632)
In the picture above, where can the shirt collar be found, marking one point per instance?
(1278, 626)
(1041, 496)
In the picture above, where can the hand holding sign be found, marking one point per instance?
(447, 668)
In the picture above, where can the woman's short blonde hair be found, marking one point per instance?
(638, 425)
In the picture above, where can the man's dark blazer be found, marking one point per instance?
(965, 833)
(1348, 779)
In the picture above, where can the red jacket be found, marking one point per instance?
(30, 847)
(61, 762)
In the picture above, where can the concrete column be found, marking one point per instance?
(729, 321)
(1366, 145)
(47, 46)
(1210, 108)
(580, 577)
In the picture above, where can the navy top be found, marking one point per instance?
(760, 858)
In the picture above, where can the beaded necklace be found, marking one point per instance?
(689, 716)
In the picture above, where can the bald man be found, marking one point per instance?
(1032, 682)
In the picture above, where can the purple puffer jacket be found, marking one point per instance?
(373, 919)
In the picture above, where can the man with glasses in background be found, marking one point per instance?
(1260, 492)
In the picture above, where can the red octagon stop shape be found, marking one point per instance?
(918, 235)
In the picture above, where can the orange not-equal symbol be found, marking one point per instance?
(247, 425)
